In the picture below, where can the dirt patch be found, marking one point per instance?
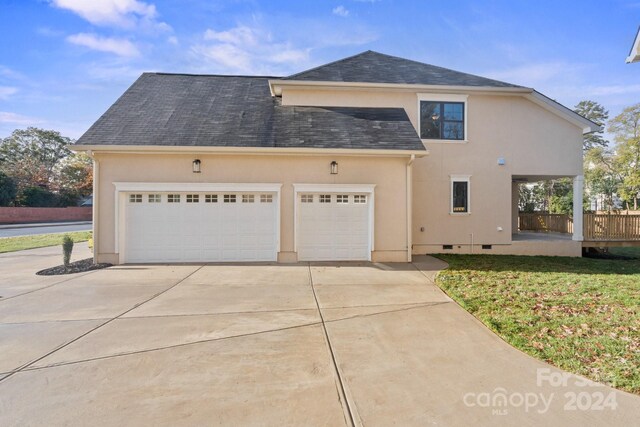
(75, 267)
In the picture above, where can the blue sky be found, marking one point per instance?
(64, 62)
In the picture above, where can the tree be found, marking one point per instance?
(30, 155)
(8, 190)
(75, 175)
(626, 130)
(602, 176)
(596, 113)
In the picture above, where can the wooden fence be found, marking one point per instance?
(606, 227)
(558, 223)
(597, 227)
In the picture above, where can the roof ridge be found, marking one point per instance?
(328, 63)
(162, 73)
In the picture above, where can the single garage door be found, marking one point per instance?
(200, 227)
(333, 226)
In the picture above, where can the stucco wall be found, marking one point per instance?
(388, 174)
(531, 139)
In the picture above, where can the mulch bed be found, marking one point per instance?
(75, 267)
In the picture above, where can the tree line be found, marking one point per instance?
(611, 171)
(38, 169)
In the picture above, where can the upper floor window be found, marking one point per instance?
(442, 120)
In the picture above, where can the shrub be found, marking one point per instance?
(38, 197)
(7, 189)
(67, 248)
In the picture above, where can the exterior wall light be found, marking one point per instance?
(196, 166)
(334, 168)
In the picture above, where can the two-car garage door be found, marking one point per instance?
(200, 227)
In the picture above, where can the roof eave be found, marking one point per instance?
(634, 53)
(275, 85)
(301, 151)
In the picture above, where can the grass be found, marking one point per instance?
(579, 314)
(633, 252)
(12, 244)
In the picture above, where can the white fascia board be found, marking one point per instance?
(549, 104)
(196, 186)
(634, 54)
(276, 87)
(268, 151)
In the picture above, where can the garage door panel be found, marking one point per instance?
(200, 231)
(332, 231)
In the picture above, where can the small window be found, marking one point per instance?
(211, 198)
(266, 198)
(229, 198)
(306, 198)
(193, 198)
(342, 198)
(360, 198)
(447, 247)
(442, 120)
(173, 198)
(155, 198)
(135, 198)
(460, 195)
(325, 198)
(486, 246)
(248, 198)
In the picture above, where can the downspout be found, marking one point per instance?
(409, 207)
(96, 198)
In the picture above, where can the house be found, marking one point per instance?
(372, 157)
(634, 53)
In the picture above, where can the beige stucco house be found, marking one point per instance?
(634, 53)
(371, 157)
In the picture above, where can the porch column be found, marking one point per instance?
(578, 189)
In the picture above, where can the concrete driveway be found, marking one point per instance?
(321, 344)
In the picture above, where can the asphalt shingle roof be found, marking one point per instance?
(234, 111)
(375, 67)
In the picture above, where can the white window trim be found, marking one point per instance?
(439, 97)
(123, 188)
(460, 178)
(367, 189)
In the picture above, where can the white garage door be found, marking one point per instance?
(200, 227)
(333, 226)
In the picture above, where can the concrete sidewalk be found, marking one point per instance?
(42, 224)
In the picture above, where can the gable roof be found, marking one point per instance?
(375, 67)
(236, 111)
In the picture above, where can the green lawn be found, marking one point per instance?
(11, 244)
(579, 314)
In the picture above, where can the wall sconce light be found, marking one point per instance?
(196, 166)
(334, 168)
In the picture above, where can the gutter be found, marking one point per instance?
(268, 151)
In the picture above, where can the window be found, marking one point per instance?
(442, 120)
(229, 198)
(325, 198)
(155, 198)
(248, 198)
(360, 198)
(211, 198)
(193, 198)
(266, 198)
(459, 194)
(342, 198)
(135, 198)
(173, 198)
(306, 198)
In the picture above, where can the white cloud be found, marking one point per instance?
(122, 13)
(173, 40)
(17, 119)
(7, 91)
(340, 11)
(247, 50)
(613, 89)
(120, 47)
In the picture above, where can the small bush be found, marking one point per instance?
(37, 197)
(67, 248)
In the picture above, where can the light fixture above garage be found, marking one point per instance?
(334, 168)
(196, 166)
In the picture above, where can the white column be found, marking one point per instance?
(578, 190)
